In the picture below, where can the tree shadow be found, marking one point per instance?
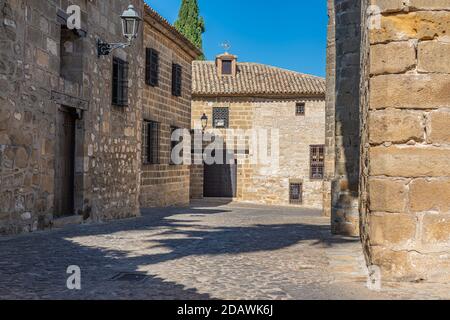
(34, 266)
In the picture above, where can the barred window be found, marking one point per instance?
(317, 162)
(296, 193)
(221, 117)
(300, 109)
(120, 82)
(152, 67)
(150, 142)
(176, 80)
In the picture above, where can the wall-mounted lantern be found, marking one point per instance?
(204, 120)
(130, 28)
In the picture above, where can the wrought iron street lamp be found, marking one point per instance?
(204, 120)
(130, 28)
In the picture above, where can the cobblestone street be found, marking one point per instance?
(207, 251)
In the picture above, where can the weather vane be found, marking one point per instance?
(226, 46)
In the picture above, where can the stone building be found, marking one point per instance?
(403, 98)
(290, 106)
(166, 107)
(69, 130)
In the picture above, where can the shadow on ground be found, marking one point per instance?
(34, 266)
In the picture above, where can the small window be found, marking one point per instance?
(300, 109)
(176, 80)
(150, 142)
(220, 117)
(317, 162)
(120, 82)
(152, 67)
(227, 66)
(296, 193)
(173, 144)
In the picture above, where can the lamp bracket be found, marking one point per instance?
(105, 48)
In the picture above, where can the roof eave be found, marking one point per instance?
(163, 26)
(259, 95)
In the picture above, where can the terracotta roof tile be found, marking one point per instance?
(253, 79)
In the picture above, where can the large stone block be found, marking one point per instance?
(429, 4)
(397, 126)
(434, 56)
(399, 161)
(392, 229)
(394, 57)
(387, 195)
(394, 265)
(439, 126)
(388, 5)
(436, 229)
(430, 194)
(421, 25)
(424, 91)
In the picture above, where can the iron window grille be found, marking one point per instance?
(176, 80)
(300, 109)
(296, 193)
(150, 142)
(120, 82)
(152, 67)
(317, 153)
(221, 117)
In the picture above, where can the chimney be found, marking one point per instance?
(226, 65)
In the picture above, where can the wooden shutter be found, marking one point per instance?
(152, 67)
(176, 80)
(120, 82)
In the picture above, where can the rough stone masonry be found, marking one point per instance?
(55, 98)
(404, 103)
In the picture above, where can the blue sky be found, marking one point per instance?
(290, 34)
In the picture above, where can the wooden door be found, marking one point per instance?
(65, 163)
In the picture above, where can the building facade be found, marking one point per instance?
(285, 109)
(166, 107)
(404, 121)
(72, 122)
(68, 146)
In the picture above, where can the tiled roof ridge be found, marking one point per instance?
(254, 79)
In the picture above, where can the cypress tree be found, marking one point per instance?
(190, 24)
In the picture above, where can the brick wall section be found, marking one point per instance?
(259, 183)
(344, 190)
(165, 184)
(406, 121)
(106, 181)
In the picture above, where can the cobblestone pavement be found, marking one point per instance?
(207, 251)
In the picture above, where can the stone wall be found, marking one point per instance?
(261, 183)
(164, 184)
(330, 123)
(344, 189)
(33, 90)
(406, 143)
